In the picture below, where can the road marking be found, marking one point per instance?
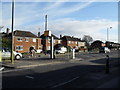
(14, 70)
(61, 84)
(29, 77)
(1, 68)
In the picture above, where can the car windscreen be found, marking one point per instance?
(6, 50)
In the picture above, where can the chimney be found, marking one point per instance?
(60, 36)
(7, 31)
(38, 34)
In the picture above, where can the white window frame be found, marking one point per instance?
(34, 39)
(48, 47)
(58, 41)
(48, 40)
(69, 42)
(20, 39)
(27, 39)
(19, 48)
(76, 42)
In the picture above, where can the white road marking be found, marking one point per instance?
(61, 84)
(14, 70)
(1, 68)
(29, 77)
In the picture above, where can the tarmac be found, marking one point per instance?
(110, 80)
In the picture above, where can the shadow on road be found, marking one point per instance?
(34, 79)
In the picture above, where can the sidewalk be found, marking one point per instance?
(31, 63)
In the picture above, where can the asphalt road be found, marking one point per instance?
(54, 76)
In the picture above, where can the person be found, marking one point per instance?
(32, 51)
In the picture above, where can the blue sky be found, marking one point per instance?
(66, 18)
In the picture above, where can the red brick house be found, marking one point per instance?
(46, 41)
(23, 40)
(72, 42)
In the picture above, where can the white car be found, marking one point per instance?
(61, 50)
(104, 50)
(6, 54)
(38, 51)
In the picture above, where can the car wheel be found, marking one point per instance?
(17, 57)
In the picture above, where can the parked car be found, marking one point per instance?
(104, 50)
(61, 50)
(39, 51)
(6, 54)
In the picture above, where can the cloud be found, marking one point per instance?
(95, 28)
(26, 13)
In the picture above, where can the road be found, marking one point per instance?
(60, 75)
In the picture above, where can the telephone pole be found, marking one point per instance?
(45, 22)
(12, 27)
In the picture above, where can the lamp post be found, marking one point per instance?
(108, 33)
(107, 56)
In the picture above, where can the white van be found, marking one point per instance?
(61, 50)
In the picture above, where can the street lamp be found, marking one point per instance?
(108, 33)
(107, 56)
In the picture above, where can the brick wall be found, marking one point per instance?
(27, 44)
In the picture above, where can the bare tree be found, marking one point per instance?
(87, 39)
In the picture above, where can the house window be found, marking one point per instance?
(27, 39)
(48, 47)
(19, 48)
(19, 39)
(75, 42)
(69, 42)
(48, 40)
(34, 39)
(58, 41)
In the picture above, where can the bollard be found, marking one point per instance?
(73, 53)
(0, 56)
(54, 54)
(107, 65)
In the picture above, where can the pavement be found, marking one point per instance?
(29, 63)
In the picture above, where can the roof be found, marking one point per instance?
(3, 34)
(44, 37)
(24, 34)
(69, 38)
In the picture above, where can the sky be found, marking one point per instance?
(66, 18)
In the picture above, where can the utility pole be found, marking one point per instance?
(107, 56)
(0, 45)
(45, 22)
(12, 27)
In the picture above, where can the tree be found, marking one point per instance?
(87, 39)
